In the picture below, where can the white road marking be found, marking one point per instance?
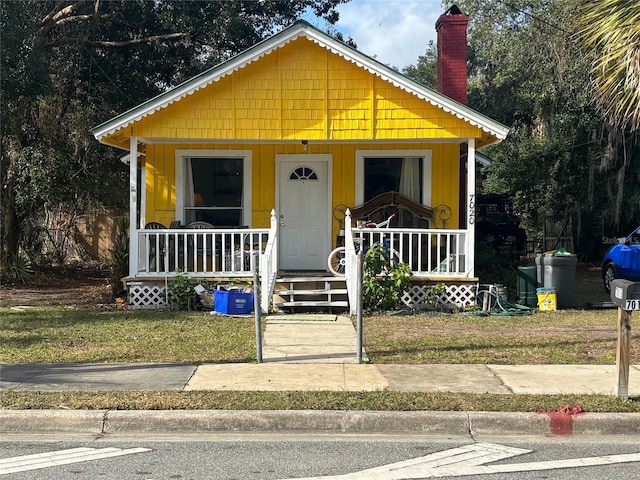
(61, 457)
(471, 460)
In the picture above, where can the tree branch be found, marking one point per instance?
(59, 16)
(122, 43)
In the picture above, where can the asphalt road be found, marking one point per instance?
(281, 456)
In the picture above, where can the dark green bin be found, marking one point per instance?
(526, 287)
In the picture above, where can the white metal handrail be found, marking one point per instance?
(351, 260)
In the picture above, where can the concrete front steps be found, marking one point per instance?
(310, 292)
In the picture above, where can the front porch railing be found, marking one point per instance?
(230, 253)
(200, 253)
(211, 253)
(430, 253)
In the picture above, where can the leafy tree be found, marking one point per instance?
(426, 70)
(561, 157)
(69, 65)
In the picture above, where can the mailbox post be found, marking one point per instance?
(626, 296)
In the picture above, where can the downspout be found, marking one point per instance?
(471, 208)
(133, 206)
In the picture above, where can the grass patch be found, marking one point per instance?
(376, 401)
(561, 337)
(500, 350)
(59, 334)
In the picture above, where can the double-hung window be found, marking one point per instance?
(407, 172)
(213, 187)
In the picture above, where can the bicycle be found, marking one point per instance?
(337, 258)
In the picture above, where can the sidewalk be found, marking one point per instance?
(317, 352)
(494, 379)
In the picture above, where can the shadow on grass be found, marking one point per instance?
(461, 352)
(24, 341)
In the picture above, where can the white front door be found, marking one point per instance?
(303, 211)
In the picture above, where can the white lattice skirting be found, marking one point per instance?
(454, 296)
(147, 295)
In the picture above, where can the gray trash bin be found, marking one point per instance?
(558, 272)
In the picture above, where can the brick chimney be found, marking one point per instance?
(452, 54)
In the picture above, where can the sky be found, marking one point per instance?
(395, 32)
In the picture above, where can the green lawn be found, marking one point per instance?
(560, 337)
(60, 334)
(380, 401)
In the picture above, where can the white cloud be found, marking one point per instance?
(395, 32)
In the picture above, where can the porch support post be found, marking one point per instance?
(133, 206)
(143, 194)
(471, 208)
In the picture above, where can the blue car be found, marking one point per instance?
(622, 260)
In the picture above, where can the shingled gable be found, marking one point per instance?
(298, 29)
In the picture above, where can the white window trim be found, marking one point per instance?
(246, 155)
(426, 170)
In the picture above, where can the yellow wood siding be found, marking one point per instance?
(301, 91)
(161, 189)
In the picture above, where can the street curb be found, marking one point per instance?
(47, 421)
(469, 424)
(297, 421)
(607, 423)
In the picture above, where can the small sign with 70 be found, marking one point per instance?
(632, 305)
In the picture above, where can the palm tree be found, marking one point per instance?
(610, 29)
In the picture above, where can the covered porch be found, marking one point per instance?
(232, 254)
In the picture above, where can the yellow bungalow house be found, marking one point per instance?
(264, 157)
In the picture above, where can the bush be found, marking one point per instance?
(383, 284)
(182, 292)
(20, 270)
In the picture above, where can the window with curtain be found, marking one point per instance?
(395, 174)
(213, 191)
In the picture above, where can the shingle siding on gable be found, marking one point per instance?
(302, 91)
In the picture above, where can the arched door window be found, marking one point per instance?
(303, 173)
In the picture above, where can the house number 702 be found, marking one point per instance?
(472, 209)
